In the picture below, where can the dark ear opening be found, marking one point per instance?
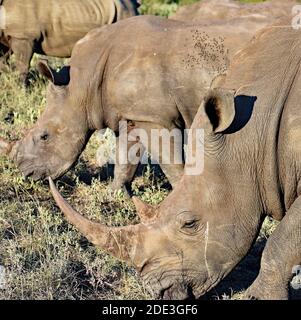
(213, 112)
(60, 78)
(228, 113)
(220, 108)
(244, 106)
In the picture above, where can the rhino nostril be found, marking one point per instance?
(177, 293)
(190, 294)
(33, 139)
(28, 174)
(165, 294)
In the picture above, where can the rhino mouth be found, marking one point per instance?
(172, 289)
(33, 172)
(174, 293)
(30, 169)
(188, 290)
(41, 173)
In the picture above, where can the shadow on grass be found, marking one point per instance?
(86, 174)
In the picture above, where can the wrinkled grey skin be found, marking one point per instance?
(235, 21)
(52, 27)
(196, 236)
(227, 11)
(138, 70)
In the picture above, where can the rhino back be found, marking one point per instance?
(156, 70)
(213, 11)
(237, 22)
(59, 23)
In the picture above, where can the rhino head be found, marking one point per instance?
(195, 237)
(56, 140)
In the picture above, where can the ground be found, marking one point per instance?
(46, 258)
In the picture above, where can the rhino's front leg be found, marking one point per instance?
(23, 51)
(166, 149)
(4, 65)
(281, 254)
(124, 171)
(4, 56)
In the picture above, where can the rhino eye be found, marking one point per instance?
(44, 136)
(191, 227)
(189, 224)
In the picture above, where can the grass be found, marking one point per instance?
(46, 258)
(168, 7)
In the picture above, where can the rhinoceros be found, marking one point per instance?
(147, 71)
(234, 21)
(208, 223)
(214, 11)
(52, 27)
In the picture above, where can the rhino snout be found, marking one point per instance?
(27, 164)
(176, 293)
(171, 290)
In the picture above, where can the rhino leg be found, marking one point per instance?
(4, 56)
(163, 155)
(280, 257)
(3, 64)
(123, 173)
(23, 51)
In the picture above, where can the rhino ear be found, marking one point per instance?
(220, 108)
(61, 78)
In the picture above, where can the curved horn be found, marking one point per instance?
(120, 242)
(145, 211)
(5, 147)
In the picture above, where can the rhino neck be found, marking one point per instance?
(253, 72)
(86, 99)
(232, 190)
(95, 118)
(99, 113)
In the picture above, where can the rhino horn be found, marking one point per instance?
(145, 211)
(5, 146)
(121, 242)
